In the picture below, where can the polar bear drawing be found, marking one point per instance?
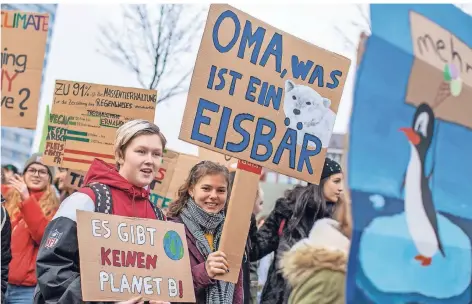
(305, 107)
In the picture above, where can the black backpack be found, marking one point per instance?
(104, 200)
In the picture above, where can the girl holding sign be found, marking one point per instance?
(120, 189)
(31, 204)
(200, 207)
(291, 220)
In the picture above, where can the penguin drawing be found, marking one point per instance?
(420, 213)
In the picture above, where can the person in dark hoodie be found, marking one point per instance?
(291, 220)
(6, 249)
(120, 189)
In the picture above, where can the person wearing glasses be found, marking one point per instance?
(31, 204)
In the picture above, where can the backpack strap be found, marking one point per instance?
(104, 201)
(159, 214)
(103, 198)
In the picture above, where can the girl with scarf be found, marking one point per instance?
(31, 204)
(291, 220)
(200, 207)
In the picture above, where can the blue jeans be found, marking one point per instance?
(19, 294)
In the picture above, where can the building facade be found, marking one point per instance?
(16, 142)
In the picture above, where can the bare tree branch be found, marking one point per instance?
(360, 24)
(153, 39)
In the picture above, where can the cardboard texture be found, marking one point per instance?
(84, 118)
(409, 158)
(238, 219)
(24, 37)
(121, 258)
(172, 175)
(228, 161)
(250, 79)
(444, 62)
(74, 179)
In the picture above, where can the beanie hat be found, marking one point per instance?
(37, 158)
(12, 168)
(330, 167)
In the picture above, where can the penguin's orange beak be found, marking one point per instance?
(413, 137)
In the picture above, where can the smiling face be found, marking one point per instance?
(141, 159)
(333, 187)
(210, 192)
(36, 177)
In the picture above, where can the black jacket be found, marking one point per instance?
(269, 239)
(6, 249)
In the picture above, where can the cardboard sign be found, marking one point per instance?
(24, 37)
(444, 62)
(264, 96)
(409, 159)
(74, 179)
(160, 185)
(121, 258)
(172, 174)
(84, 118)
(225, 160)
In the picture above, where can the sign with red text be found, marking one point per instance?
(122, 257)
(24, 36)
(84, 119)
(264, 96)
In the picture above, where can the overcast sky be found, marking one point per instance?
(73, 54)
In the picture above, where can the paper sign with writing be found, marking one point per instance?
(121, 258)
(84, 118)
(161, 183)
(24, 37)
(262, 95)
(179, 167)
(409, 158)
(74, 179)
(226, 160)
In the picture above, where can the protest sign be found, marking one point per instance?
(409, 158)
(74, 179)
(228, 161)
(121, 258)
(266, 98)
(24, 37)
(175, 174)
(262, 95)
(84, 118)
(161, 183)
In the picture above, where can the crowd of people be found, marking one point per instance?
(298, 253)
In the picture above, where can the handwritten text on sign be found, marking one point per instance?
(262, 95)
(24, 37)
(84, 118)
(121, 258)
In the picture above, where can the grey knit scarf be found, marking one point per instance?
(199, 222)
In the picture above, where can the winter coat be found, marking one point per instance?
(267, 239)
(27, 229)
(6, 251)
(315, 267)
(58, 268)
(201, 280)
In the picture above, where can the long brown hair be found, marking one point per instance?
(343, 215)
(198, 171)
(48, 202)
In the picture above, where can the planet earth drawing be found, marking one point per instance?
(173, 245)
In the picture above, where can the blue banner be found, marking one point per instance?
(410, 158)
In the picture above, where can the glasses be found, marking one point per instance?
(33, 171)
